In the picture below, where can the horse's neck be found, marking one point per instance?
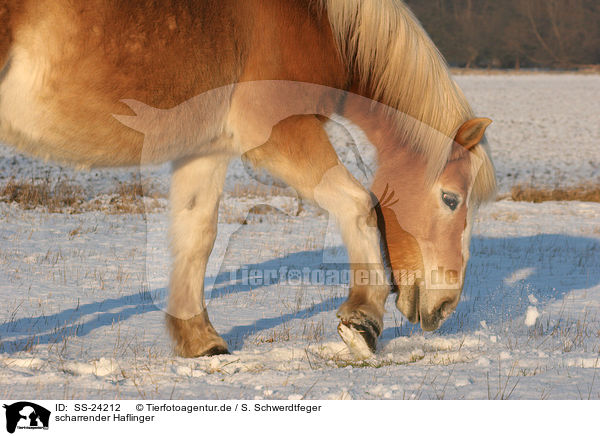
(376, 121)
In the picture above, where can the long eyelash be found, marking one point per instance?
(386, 200)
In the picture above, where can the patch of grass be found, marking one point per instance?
(342, 362)
(509, 217)
(277, 335)
(506, 387)
(32, 194)
(314, 333)
(128, 197)
(65, 196)
(245, 190)
(584, 192)
(582, 70)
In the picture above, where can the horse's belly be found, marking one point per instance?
(40, 119)
(68, 124)
(51, 109)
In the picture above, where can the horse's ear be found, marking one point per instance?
(471, 132)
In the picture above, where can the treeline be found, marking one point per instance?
(513, 33)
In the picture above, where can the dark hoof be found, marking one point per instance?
(368, 330)
(360, 336)
(215, 351)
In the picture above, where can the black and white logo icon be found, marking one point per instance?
(26, 415)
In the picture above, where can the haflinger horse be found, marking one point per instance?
(98, 83)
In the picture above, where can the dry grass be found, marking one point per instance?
(67, 197)
(509, 217)
(583, 70)
(259, 190)
(30, 195)
(583, 192)
(128, 197)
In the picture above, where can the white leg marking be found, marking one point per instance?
(195, 193)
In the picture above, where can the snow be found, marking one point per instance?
(81, 313)
(545, 128)
(531, 316)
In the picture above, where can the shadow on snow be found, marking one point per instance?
(503, 276)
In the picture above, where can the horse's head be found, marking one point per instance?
(427, 223)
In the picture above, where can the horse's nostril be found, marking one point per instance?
(444, 309)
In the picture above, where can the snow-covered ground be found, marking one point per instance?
(546, 128)
(82, 294)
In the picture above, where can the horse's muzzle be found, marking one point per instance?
(433, 320)
(407, 302)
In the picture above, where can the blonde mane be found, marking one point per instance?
(399, 65)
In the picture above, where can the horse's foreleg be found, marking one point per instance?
(196, 189)
(361, 315)
(299, 153)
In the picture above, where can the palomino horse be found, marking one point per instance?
(222, 78)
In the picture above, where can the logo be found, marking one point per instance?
(25, 415)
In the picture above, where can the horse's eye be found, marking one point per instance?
(450, 200)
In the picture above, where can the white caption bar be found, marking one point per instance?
(149, 417)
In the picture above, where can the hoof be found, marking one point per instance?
(215, 351)
(360, 337)
(185, 350)
(195, 337)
